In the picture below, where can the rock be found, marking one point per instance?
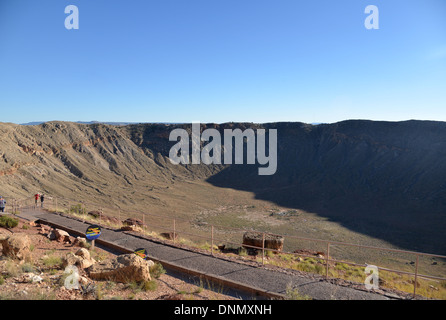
(433, 288)
(80, 242)
(255, 239)
(112, 220)
(133, 222)
(150, 264)
(95, 214)
(98, 215)
(62, 236)
(42, 229)
(169, 235)
(85, 263)
(133, 228)
(124, 268)
(52, 234)
(83, 253)
(83, 280)
(16, 246)
(29, 278)
(70, 259)
(81, 259)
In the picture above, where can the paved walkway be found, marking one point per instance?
(264, 279)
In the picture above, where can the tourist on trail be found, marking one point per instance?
(2, 204)
(36, 197)
(42, 198)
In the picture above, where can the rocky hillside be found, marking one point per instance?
(384, 179)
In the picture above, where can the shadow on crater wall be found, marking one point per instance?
(382, 179)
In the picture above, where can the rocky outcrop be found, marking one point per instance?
(81, 259)
(60, 236)
(16, 246)
(124, 268)
(255, 239)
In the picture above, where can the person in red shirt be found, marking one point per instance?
(36, 197)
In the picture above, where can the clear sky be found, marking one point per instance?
(222, 60)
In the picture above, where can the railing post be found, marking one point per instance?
(327, 259)
(263, 248)
(416, 277)
(174, 232)
(212, 240)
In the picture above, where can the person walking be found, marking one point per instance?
(2, 204)
(42, 198)
(36, 197)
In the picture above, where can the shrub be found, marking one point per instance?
(28, 268)
(52, 261)
(149, 285)
(293, 294)
(76, 208)
(8, 222)
(13, 269)
(157, 270)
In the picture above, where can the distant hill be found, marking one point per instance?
(35, 123)
(383, 179)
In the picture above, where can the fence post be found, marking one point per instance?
(212, 240)
(327, 259)
(263, 248)
(174, 232)
(416, 277)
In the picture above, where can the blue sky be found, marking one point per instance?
(222, 60)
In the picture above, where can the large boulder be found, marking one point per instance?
(255, 239)
(124, 268)
(81, 259)
(59, 235)
(16, 246)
